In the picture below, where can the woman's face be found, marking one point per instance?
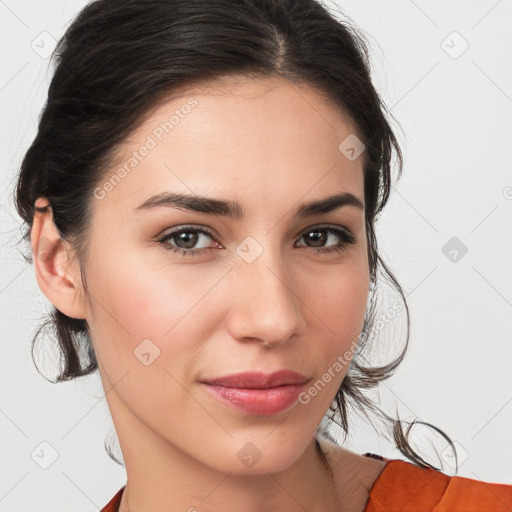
(257, 295)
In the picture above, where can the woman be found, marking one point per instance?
(201, 200)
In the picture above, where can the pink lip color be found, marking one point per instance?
(258, 393)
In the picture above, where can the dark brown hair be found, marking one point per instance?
(119, 58)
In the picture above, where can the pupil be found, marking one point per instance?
(192, 238)
(315, 238)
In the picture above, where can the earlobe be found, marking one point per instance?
(57, 272)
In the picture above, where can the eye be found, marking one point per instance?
(186, 238)
(320, 235)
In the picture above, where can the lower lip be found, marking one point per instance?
(263, 402)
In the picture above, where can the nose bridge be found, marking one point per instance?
(266, 306)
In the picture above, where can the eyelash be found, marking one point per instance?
(346, 236)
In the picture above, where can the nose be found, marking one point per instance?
(265, 305)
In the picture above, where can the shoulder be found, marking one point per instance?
(406, 487)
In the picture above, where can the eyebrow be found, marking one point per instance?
(235, 210)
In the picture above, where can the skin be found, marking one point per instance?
(269, 145)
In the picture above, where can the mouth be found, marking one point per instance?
(257, 393)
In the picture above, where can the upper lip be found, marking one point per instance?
(258, 380)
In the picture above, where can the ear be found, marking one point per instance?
(57, 270)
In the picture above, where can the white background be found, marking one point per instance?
(455, 117)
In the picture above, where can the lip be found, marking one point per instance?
(256, 392)
(260, 380)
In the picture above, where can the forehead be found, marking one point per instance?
(266, 136)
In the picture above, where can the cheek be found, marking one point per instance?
(338, 305)
(145, 323)
(333, 335)
(338, 297)
(138, 308)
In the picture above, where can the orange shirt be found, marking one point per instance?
(405, 487)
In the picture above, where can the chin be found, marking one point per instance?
(258, 455)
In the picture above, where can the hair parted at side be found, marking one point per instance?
(120, 58)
